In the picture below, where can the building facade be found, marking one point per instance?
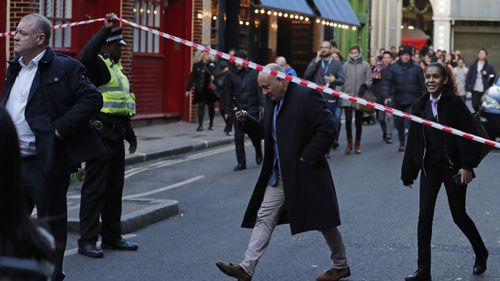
(158, 69)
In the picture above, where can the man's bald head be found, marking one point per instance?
(272, 87)
(281, 61)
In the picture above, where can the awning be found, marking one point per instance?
(339, 11)
(295, 6)
(477, 10)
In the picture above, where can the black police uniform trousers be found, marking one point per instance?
(101, 195)
(430, 184)
(239, 141)
(48, 194)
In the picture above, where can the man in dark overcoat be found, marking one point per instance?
(295, 185)
(51, 101)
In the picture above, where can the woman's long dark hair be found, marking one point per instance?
(18, 235)
(449, 88)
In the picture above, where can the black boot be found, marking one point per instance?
(239, 167)
(480, 265)
(258, 157)
(420, 275)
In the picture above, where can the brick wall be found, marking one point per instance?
(19, 9)
(197, 37)
(128, 36)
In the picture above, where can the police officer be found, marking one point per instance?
(102, 190)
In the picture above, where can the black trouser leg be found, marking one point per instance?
(229, 123)
(112, 208)
(49, 197)
(58, 220)
(201, 113)
(239, 141)
(359, 124)
(457, 201)
(348, 123)
(476, 100)
(399, 122)
(257, 144)
(93, 196)
(429, 189)
(381, 120)
(223, 113)
(211, 113)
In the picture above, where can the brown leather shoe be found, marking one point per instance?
(335, 274)
(348, 149)
(234, 271)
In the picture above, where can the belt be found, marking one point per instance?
(99, 124)
(28, 158)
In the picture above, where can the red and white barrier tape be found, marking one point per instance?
(294, 79)
(59, 26)
(315, 86)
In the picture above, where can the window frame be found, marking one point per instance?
(143, 40)
(56, 20)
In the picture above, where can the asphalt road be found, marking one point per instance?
(379, 218)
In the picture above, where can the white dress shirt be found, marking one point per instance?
(478, 84)
(16, 104)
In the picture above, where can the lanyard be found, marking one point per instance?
(325, 68)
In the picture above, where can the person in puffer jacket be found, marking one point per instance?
(405, 80)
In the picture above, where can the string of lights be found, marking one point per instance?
(293, 16)
(302, 18)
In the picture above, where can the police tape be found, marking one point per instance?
(315, 86)
(293, 79)
(59, 26)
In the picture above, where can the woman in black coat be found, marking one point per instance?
(200, 83)
(442, 158)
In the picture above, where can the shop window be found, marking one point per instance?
(147, 13)
(59, 12)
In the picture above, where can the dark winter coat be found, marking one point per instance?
(405, 81)
(61, 98)
(462, 153)
(242, 85)
(305, 128)
(470, 80)
(200, 79)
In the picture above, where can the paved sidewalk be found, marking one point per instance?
(154, 141)
(175, 138)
